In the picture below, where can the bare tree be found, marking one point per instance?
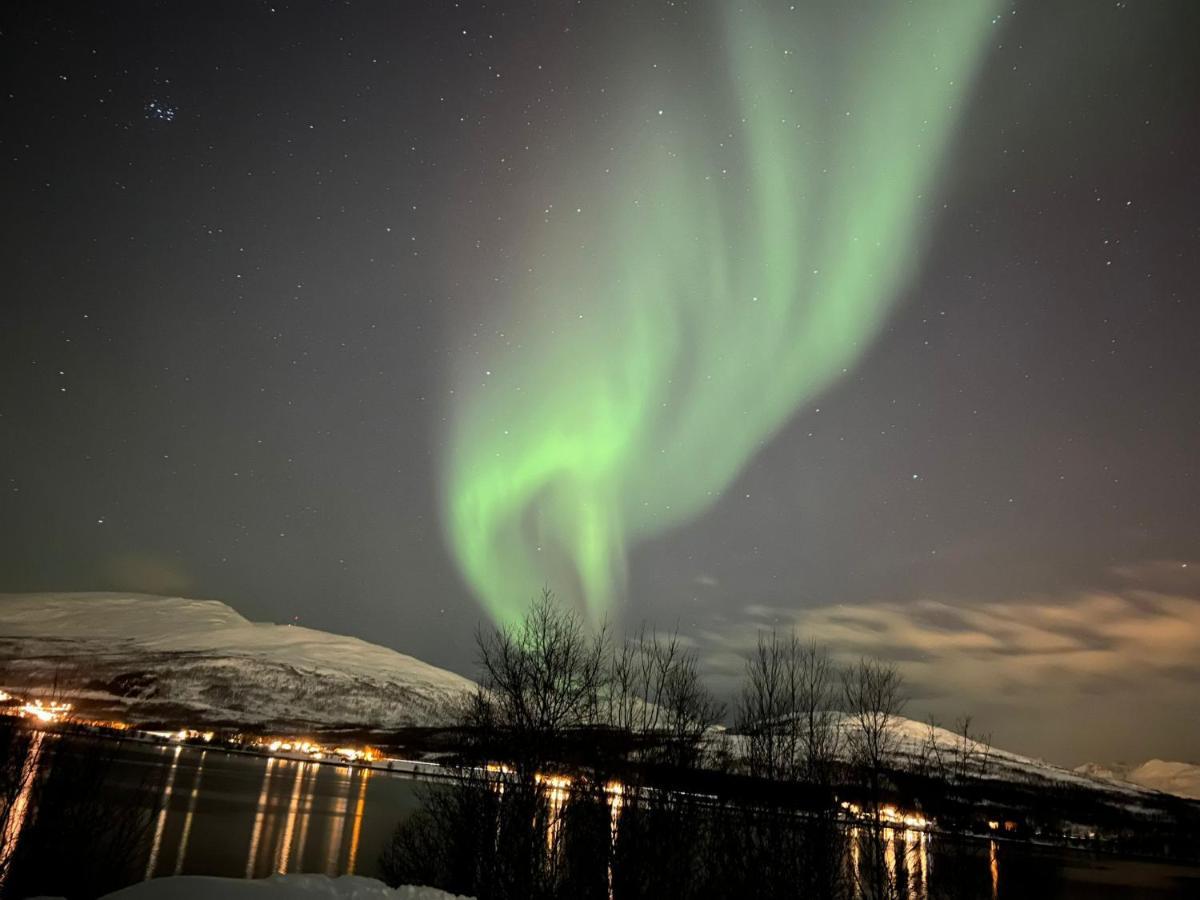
(952, 761)
(541, 680)
(64, 833)
(766, 708)
(873, 694)
(964, 757)
(787, 713)
(952, 764)
(689, 709)
(656, 698)
(20, 752)
(637, 682)
(819, 739)
(786, 710)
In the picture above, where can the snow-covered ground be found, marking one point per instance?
(1170, 777)
(1179, 778)
(277, 887)
(144, 658)
(1004, 765)
(1130, 787)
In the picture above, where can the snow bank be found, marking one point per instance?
(277, 887)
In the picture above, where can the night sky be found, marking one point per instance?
(875, 320)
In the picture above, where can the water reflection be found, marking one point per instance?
(352, 862)
(337, 822)
(260, 815)
(309, 817)
(230, 814)
(994, 867)
(152, 862)
(306, 813)
(557, 791)
(552, 838)
(888, 861)
(191, 812)
(616, 802)
(14, 818)
(285, 846)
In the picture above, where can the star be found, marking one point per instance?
(160, 111)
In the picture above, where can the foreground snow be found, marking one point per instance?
(147, 658)
(277, 887)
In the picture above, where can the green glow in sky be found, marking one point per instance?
(741, 261)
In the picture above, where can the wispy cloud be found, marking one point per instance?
(1139, 643)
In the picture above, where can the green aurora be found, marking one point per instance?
(741, 262)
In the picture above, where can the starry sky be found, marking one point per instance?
(378, 316)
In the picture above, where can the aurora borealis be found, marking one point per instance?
(873, 319)
(746, 257)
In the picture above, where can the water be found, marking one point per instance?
(198, 812)
(211, 812)
(234, 814)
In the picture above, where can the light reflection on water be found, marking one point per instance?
(902, 853)
(307, 831)
(352, 862)
(160, 824)
(230, 814)
(338, 822)
(994, 867)
(301, 816)
(191, 812)
(260, 816)
(14, 818)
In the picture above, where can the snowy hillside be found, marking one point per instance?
(993, 764)
(1003, 765)
(1178, 778)
(145, 658)
(170, 660)
(1130, 785)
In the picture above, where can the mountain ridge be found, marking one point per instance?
(147, 658)
(144, 657)
(1181, 779)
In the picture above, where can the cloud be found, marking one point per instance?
(1139, 643)
(1088, 634)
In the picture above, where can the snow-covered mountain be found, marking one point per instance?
(1135, 783)
(1179, 778)
(914, 742)
(145, 658)
(1002, 765)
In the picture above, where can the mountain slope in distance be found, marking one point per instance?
(1179, 778)
(144, 658)
(170, 660)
